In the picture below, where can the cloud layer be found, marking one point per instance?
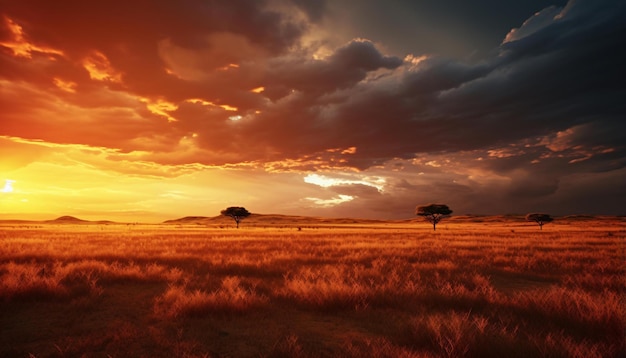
(254, 84)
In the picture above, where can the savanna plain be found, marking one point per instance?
(472, 288)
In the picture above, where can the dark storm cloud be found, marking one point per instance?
(314, 9)
(533, 186)
(343, 69)
(555, 75)
(565, 74)
(447, 27)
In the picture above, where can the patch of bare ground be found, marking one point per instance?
(511, 283)
(273, 330)
(117, 321)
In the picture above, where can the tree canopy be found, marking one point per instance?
(433, 213)
(539, 218)
(238, 213)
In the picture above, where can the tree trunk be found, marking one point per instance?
(434, 226)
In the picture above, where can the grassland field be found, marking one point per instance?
(470, 289)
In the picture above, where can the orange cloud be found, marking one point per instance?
(161, 107)
(230, 66)
(19, 44)
(208, 103)
(100, 69)
(67, 86)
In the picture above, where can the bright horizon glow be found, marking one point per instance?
(327, 181)
(8, 186)
(339, 199)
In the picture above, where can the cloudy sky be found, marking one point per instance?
(150, 110)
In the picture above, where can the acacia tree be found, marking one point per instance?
(539, 219)
(238, 213)
(433, 213)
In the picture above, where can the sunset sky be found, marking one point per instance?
(151, 110)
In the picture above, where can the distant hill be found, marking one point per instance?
(67, 219)
(274, 220)
(189, 220)
(279, 220)
(295, 220)
(485, 218)
(580, 217)
(270, 220)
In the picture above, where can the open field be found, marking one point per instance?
(478, 289)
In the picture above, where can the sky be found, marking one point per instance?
(142, 111)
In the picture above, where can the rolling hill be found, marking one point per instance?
(279, 220)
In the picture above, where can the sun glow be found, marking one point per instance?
(8, 186)
(331, 202)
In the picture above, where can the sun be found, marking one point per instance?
(8, 186)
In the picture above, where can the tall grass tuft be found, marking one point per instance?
(352, 287)
(602, 314)
(231, 297)
(30, 281)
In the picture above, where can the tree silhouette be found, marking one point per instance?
(433, 213)
(238, 213)
(539, 219)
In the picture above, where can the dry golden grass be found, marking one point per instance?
(489, 288)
